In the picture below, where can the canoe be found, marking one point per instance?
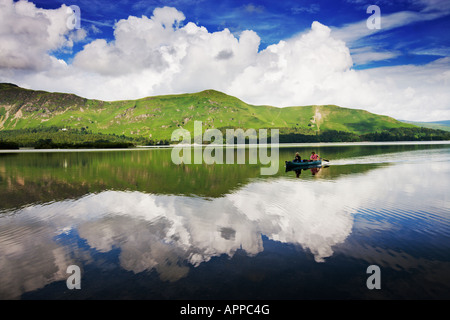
(303, 164)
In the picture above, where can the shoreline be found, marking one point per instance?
(280, 145)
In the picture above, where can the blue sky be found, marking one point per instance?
(281, 53)
(414, 43)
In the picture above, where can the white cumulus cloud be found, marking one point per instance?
(28, 34)
(164, 54)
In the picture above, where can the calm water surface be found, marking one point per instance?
(140, 227)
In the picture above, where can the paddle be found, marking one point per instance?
(325, 160)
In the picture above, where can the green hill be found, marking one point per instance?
(157, 117)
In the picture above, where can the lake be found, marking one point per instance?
(140, 227)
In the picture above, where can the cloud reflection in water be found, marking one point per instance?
(170, 233)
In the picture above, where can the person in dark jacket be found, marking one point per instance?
(297, 158)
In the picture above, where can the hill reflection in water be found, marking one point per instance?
(394, 215)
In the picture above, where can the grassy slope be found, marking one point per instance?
(159, 116)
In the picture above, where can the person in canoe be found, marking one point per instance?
(314, 156)
(297, 158)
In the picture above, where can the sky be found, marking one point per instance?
(386, 57)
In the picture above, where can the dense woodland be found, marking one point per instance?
(53, 137)
(394, 134)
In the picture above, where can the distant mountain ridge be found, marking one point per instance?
(439, 125)
(157, 117)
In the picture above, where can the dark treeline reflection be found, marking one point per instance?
(31, 177)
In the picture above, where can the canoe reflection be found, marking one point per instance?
(315, 169)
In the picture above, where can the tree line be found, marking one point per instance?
(54, 137)
(393, 134)
(62, 138)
